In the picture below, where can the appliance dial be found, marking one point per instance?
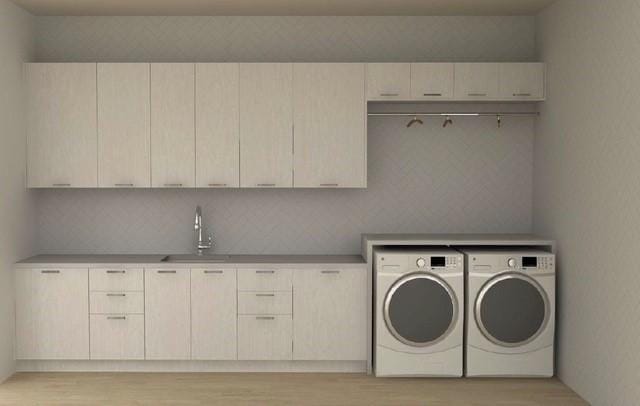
(421, 263)
(512, 262)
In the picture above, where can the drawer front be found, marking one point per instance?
(116, 279)
(265, 338)
(264, 280)
(117, 337)
(116, 302)
(264, 303)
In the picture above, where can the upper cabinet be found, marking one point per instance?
(266, 125)
(522, 81)
(477, 81)
(217, 125)
(124, 124)
(62, 125)
(432, 81)
(388, 81)
(172, 125)
(329, 125)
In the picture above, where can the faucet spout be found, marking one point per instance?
(201, 244)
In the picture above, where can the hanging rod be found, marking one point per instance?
(509, 114)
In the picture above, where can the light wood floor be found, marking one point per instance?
(275, 389)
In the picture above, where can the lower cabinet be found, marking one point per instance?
(167, 314)
(213, 314)
(52, 314)
(330, 314)
(265, 338)
(117, 337)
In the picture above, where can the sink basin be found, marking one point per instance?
(193, 258)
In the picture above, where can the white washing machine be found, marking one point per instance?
(419, 313)
(510, 309)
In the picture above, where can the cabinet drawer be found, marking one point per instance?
(265, 338)
(264, 279)
(116, 302)
(116, 279)
(117, 337)
(264, 303)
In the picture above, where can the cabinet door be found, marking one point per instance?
(167, 314)
(173, 125)
(329, 314)
(62, 125)
(217, 125)
(522, 81)
(52, 314)
(264, 338)
(432, 81)
(123, 125)
(266, 125)
(477, 81)
(329, 125)
(388, 81)
(213, 314)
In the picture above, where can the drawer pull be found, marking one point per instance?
(266, 184)
(116, 317)
(477, 94)
(217, 184)
(265, 318)
(389, 94)
(116, 271)
(432, 94)
(116, 294)
(330, 272)
(50, 271)
(124, 184)
(265, 272)
(329, 185)
(166, 271)
(61, 184)
(522, 94)
(173, 184)
(265, 294)
(213, 271)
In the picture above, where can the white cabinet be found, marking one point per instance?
(213, 314)
(330, 314)
(388, 81)
(266, 125)
(167, 314)
(123, 125)
(477, 81)
(173, 125)
(329, 125)
(432, 81)
(217, 125)
(522, 81)
(62, 125)
(265, 338)
(117, 337)
(52, 314)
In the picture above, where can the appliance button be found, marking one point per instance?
(421, 263)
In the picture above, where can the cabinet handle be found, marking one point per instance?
(329, 185)
(330, 272)
(116, 271)
(116, 317)
(217, 184)
(166, 271)
(266, 184)
(389, 94)
(124, 184)
(50, 271)
(477, 94)
(271, 271)
(432, 94)
(61, 184)
(265, 318)
(213, 271)
(116, 294)
(173, 184)
(265, 294)
(522, 94)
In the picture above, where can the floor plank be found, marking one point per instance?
(276, 389)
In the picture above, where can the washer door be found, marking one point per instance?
(420, 309)
(512, 310)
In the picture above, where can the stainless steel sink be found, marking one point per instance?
(193, 258)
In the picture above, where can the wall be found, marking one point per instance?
(16, 206)
(471, 177)
(587, 191)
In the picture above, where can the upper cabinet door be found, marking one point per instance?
(62, 125)
(522, 81)
(477, 81)
(432, 81)
(123, 125)
(217, 125)
(388, 81)
(173, 125)
(266, 125)
(329, 125)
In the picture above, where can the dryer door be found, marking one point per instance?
(420, 309)
(512, 310)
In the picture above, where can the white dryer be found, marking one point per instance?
(510, 311)
(419, 313)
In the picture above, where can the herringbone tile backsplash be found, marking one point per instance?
(471, 177)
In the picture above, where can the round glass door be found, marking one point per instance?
(511, 310)
(420, 309)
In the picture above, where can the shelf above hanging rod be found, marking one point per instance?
(506, 114)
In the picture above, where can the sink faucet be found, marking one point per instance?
(201, 245)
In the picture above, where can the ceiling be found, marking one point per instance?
(282, 7)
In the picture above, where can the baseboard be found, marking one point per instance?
(193, 366)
